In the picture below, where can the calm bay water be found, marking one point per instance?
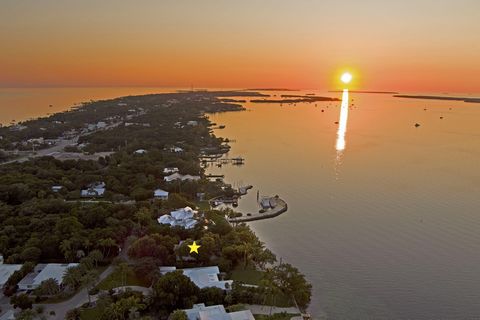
(389, 228)
(20, 104)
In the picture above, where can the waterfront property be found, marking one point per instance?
(203, 277)
(181, 177)
(218, 312)
(185, 218)
(271, 207)
(44, 272)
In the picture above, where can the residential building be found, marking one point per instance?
(160, 194)
(94, 190)
(44, 272)
(178, 176)
(6, 270)
(203, 277)
(170, 170)
(57, 188)
(185, 218)
(140, 151)
(218, 312)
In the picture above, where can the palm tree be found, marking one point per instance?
(66, 249)
(88, 280)
(96, 256)
(107, 243)
(71, 278)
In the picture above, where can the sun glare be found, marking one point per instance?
(346, 77)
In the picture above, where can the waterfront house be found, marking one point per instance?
(203, 277)
(185, 218)
(177, 176)
(218, 312)
(44, 272)
(94, 190)
(160, 194)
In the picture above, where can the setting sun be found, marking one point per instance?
(346, 77)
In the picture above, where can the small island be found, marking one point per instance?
(464, 99)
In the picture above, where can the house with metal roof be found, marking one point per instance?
(44, 272)
(203, 277)
(218, 312)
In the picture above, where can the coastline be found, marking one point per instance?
(280, 208)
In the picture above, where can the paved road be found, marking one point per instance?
(76, 301)
(45, 152)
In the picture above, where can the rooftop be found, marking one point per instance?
(203, 277)
(218, 312)
(43, 272)
(6, 270)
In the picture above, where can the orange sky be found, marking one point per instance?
(409, 45)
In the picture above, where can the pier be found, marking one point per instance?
(280, 207)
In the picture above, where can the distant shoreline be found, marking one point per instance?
(271, 89)
(363, 91)
(464, 99)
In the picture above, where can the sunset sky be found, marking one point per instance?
(408, 45)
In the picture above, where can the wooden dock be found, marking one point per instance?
(280, 208)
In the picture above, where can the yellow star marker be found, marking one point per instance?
(194, 247)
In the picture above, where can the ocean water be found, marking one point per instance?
(387, 228)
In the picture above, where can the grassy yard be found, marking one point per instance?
(251, 276)
(278, 316)
(115, 280)
(248, 275)
(92, 314)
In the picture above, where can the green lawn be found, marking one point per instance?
(278, 316)
(248, 275)
(252, 276)
(92, 313)
(115, 280)
(203, 205)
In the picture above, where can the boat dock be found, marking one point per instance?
(280, 207)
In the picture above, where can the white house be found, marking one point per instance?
(140, 151)
(176, 149)
(44, 272)
(192, 123)
(160, 194)
(101, 125)
(96, 189)
(56, 188)
(170, 170)
(218, 312)
(203, 277)
(6, 270)
(184, 218)
(178, 176)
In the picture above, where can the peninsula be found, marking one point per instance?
(116, 189)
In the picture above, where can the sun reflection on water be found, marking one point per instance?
(342, 124)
